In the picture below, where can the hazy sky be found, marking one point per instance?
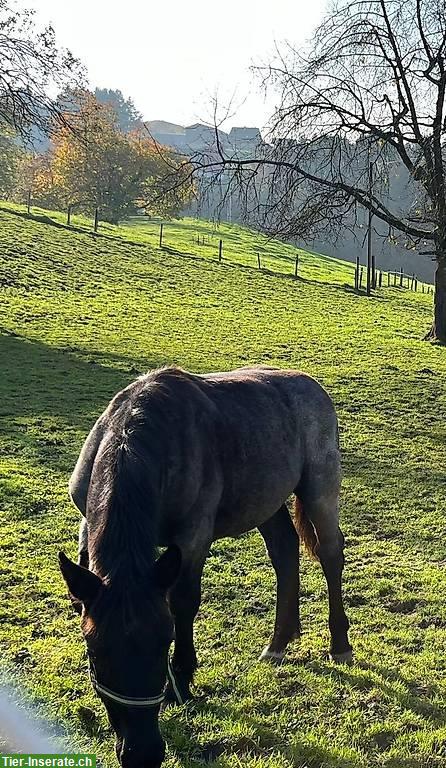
(172, 56)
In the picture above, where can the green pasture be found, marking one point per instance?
(80, 316)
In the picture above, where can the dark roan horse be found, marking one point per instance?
(179, 460)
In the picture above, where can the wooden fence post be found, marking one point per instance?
(401, 277)
(28, 200)
(357, 274)
(161, 234)
(416, 284)
(360, 277)
(96, 219)
(220, 250)
(388, 279)
(380, 282)
(296, 265)
(69, 215)
(258, 259)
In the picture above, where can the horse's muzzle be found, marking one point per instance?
(151, 757)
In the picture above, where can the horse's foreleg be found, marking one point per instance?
(282, 544)
(184, 601)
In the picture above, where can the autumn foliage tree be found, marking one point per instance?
(93, 164)
(10, 157)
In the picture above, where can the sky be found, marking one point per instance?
(172, 57)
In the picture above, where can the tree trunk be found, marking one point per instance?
(438, 330)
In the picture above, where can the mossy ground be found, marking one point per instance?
(81, 315)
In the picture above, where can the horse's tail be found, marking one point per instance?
(305, 528)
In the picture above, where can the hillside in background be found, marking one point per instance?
(81, 316)
(348, 243)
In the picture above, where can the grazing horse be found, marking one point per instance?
(179, 460)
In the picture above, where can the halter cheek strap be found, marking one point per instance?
(173, 682)
(129, 701)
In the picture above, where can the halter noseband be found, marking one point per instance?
(129, 701)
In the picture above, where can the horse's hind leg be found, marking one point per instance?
(282, 544)
(319, 497)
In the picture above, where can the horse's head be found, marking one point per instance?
(128, 639)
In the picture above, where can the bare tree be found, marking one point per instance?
(32, 71)
(370, 93)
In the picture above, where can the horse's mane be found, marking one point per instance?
(126, 486)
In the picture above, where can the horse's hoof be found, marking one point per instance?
(172, 701)
(171, 698)
(273, 657)
(343, 658)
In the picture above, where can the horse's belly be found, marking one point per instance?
(253, 507)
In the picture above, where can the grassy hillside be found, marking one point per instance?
(80, 317)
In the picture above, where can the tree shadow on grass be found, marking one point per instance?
(226, 263)
(394, 686)
(381, 473)
(48, 395)
(42, 218)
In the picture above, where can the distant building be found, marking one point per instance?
(245, 139)
(202, 138)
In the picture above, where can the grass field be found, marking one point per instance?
(80, 317)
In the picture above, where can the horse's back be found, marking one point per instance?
(272, 397)
(246, 435)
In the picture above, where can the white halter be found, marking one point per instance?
(129, 701)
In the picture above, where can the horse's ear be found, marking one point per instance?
(83, 585)
(167, 568)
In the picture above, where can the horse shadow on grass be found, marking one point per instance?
(264, 741)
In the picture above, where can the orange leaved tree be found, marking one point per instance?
(93, 164)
